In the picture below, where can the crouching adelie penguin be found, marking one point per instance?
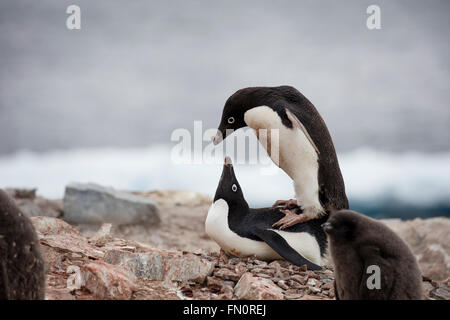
(243, 231)
(306, 150)
(362, 249)
(22, 275)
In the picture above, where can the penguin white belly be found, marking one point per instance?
(297, 154)
(216, 226)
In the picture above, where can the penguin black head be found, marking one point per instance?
(245, 99)
(342, 225)
(233, 113)
(229, 188)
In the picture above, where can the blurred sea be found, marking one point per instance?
(380, 184)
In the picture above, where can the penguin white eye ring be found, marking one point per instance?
(234, 187)
(231, 120)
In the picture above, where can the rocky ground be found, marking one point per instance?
(165, 253)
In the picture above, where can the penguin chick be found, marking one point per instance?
(22, 275)
(371, 261)
(243, 231)
(305, 148)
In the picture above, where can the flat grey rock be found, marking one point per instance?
(94, 204)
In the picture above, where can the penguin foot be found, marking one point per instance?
(290, 219)
(223, 256)
(287, 204)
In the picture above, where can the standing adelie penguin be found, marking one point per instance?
(359, 245)
(306, 151)
(244, 232)
(22, 275)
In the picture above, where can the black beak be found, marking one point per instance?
(218, 138)
(327, 227)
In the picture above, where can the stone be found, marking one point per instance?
(311, 282)
(327, 286)
(58, 234)
(95, 204)
(58, 294)
(162, 265)
(75, 281)
(250, 287)
(103, 235)
(311, 297)
(300, 279)
(227, 274)
(40, 207)
(214, 282)
(441, 293)
(282, 284)
(429, 240)
(293, 296)
(177, 197)
(106, 281)
(314, 290)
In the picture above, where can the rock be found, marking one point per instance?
(282, 284)
(94, 204)
(18, 193)
(41, 207)
(177, 197)
(300, 279)
(33, 205)
(75, 280)
(227, 274)
(429, 240)
(293, 296)
(60, 235)
(311, 297)
(102, 236)
(214, 282)
(106, 281)
(441, 293)
(327, 286)
(314, 290)
(257, 288)
(157, 264)
(58, 294)
(311, 282)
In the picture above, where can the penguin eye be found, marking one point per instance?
(231, 120)
(234, 187)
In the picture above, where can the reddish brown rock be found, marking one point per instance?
(58, 234)
(106, 281)
(227, 274)
(157, 264)
(312, 297)
(429, 240)
(250, 287)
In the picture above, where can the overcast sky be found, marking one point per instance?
(137, 70)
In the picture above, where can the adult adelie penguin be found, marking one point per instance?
(243, 231)
(306, 150)
(22, 275)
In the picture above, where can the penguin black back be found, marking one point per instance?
(358, 242)
(244, 231)
(22, 274)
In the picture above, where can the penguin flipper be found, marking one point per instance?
(297, 123)
(280, 245)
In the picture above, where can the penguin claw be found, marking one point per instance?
(290, 219)
(286, 204)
